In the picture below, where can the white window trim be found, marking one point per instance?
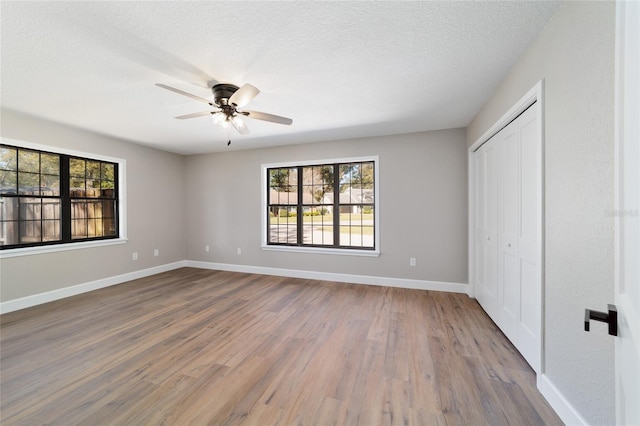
(122, 202)
(322, 250)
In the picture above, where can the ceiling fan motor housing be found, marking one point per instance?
(222, 92)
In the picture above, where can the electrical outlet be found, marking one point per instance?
(239, 250)
(412, 261)
(156, 252)
(206, 248)
(134, 256)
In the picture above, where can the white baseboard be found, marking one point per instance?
(330, 276)
(50, 296)
(567, 413)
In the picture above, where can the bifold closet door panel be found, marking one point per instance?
(479, 228)
(531, 292)
(509, 227)
(487, 227)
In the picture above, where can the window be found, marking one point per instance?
(51, 198)
(326, 205)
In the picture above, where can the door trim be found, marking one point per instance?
(626, 133)
(534, 95)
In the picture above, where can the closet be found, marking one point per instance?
(507, 231)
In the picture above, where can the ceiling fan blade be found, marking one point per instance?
(195, 114)
(198, 98)
(268, 117)
(239, 125)
(243, 95)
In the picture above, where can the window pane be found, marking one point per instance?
(345, 226)
(78, 219)
(355, 173)
(51, 230)
(368, 229)
(283, 226)
(29, 183)
(9, 225)
(50, 164)
(283, 187)
(79, 228)
(51, 222)
(280, 178)
(50, 185)
(345, 195)
(93, 188)
(287, 195)
(30, 231)
(28, 161)
(9, 234)
(367, 171)
(30, 220)
(345, 174)
(8, 157)
(318, 183)
(77, 168)
(9, 208)
(50, 209)
(107, 184)
(109, 209)
(94, 209)
(8, 182)
(77, 188)
(94, 227)
(107, 173)
(317, 226)
(93, 170)
(109, 215)
(292, 194)
(109, 227)
(107, 193)
(357, 226)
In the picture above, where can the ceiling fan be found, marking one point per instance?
(229, 99)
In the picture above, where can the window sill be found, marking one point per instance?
(27, 251)
(320, 250)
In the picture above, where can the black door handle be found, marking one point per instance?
(610, 318)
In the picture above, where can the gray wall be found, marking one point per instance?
(423, 206)
(215, 199)
(575, 56)
(155, 201)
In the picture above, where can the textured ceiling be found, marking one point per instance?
(339, 69)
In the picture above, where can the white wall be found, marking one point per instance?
(155, 213)
(423, 206)
(575, 56)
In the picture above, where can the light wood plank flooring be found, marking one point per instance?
(194, 346)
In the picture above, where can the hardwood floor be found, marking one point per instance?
(194, 346)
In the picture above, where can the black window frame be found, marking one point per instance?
(66, 197)
(337, 206)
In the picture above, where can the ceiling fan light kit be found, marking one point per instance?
(229, 99)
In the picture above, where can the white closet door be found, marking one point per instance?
(508, 220)
(486, 227)
(530, 208)
(509, 226)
